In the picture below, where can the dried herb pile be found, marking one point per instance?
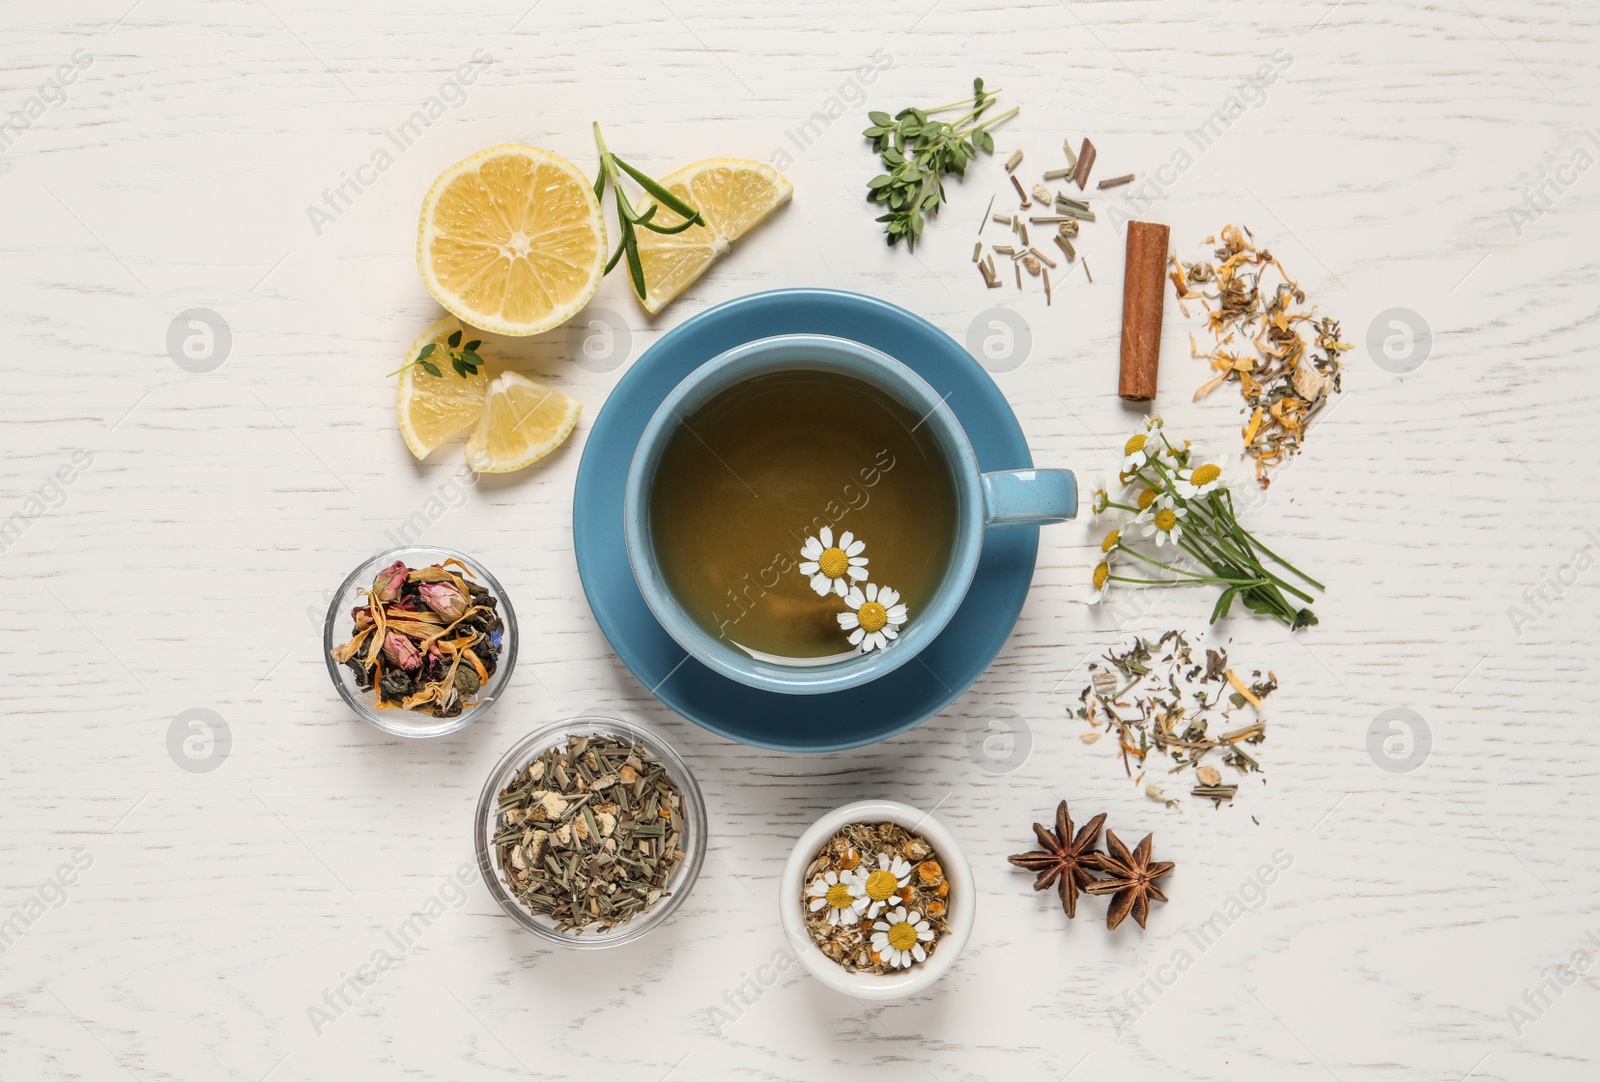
(1266, 341)
(855, 865)
(1161, 705)
(590, 832)
(1073, 863)
(1051, 213)
(427, 639)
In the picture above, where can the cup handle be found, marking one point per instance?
(1029, 497)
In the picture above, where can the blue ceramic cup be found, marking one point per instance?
(983, 501)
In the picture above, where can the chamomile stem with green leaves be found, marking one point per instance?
(1174, 499)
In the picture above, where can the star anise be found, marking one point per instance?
(1131, 877)
(1063, 859)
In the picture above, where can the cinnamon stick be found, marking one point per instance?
(1142, 300)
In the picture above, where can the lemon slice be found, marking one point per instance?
(512, 240)
(434, 409)
(522, 422)
(732, 195)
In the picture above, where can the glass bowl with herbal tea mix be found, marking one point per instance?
(419, 641)
(876, 898)
(590, 832)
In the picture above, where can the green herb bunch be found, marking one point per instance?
(613, 168)
(918, 151)
(464, 359)
(1174, 498)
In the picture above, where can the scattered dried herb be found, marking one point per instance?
(427, 639)
(1159, 702)
(1065, 859)
(876, 898)
(590, 832)
(1259, 344)
(919, 151)
(1130, 879)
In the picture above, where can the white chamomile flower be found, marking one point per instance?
(1100, 501)
(830, 566)
(841, 893)
(1165, 521)
(875, 616)
(881, 883)
(898, 939)
(1200, 481)
(1102, 581)
(1138, 451)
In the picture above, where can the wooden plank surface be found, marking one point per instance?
(187, 561)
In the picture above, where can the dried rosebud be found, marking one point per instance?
(400, 651)
(386, 587)
(444, 599)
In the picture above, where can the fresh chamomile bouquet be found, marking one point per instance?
(1172, 497)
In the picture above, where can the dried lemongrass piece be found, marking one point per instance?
(1116, 182)
(1014, 161)
(1041, 257)
(1066, 246)
(1022, 195)
(1057, 174)
(984, 221)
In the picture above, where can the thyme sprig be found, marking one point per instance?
(464, 359)
(612, 168)
(918, 151)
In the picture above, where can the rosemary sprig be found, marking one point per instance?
(464, 359)
(919, 151)
(613, 168)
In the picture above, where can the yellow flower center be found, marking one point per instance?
(833, 562)
(1134, 445)
(838, 896)
(1102, 572)
(1204, 475)
(902, 936)
(1146, 498)
(881, 885)
(1165, 520)
(873, 616)
(1101, 500)
(1111, 541)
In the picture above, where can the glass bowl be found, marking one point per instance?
(488, 820)
(336, 630)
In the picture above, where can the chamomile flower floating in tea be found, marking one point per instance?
(427, 639)
(840, 896)
(875, 618)
(831, 567)
(1172, 496)
(900, 936)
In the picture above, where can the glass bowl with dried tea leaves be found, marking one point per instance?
(877, 900)
(420, 641)
(590, 832)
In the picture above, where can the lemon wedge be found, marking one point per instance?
(512, 240)
(522, 422)
(732, 195)
(434, 409)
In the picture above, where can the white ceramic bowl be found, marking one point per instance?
(962, 901)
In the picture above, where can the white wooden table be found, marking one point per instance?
(188, 158)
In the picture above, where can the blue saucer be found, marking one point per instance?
(815, 723)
